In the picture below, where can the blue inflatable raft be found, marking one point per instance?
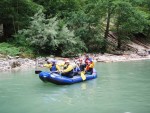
(63, 80)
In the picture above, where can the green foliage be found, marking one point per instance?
(69, 27)
(144, 7)
(15, 15)
(8, 49)
(50, 36)
(87, 24)
(129, 20)
(61, 8)
(13, 50)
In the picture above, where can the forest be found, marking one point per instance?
(70, 27)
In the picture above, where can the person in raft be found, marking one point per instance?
(81, 65)
(87, 58)
(51, 64)
(85, 61)
(67, 69)
(89, 67)
(76, 69)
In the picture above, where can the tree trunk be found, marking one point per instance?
(119, 43)
(107, 29)
(118, 38)
(18, 14)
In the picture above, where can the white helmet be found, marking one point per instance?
(53, 61)
(67, 61)
(49, 60)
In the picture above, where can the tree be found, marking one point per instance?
(109, 8)
(15, 15)
(87, 23)
(51, 36)
(144, 7)
(129, 20)
(59, 8)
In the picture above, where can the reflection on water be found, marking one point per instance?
(83, 86)
(119, 88)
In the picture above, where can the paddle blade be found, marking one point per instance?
(83, 76)
(37, 71)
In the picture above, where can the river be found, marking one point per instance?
(120, 88)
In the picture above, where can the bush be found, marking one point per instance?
(9, 49)
(50, 36)
(12, 50)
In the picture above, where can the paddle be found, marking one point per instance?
(37, 71)
(83, 75)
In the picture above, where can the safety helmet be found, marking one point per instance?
(90, 59)
(67, 61)
(53, 61)
(49, 60)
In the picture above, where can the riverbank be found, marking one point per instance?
(121, 58)
(9, 63)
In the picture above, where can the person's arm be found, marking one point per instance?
(91, 65)
(68, 69)
(47, 65)
(58, 68)
(86, 68)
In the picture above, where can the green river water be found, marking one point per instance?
(120, 88)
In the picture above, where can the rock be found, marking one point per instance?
(4, 64)
(117, 53)
(8, 67)
(11, 63)
(52, 56)
(21, 61)
(2, 59)
(142, 53)
(14, 63)
(9, 57)
(26, 60)
(148, 51)
(2, 56)
(17, 57)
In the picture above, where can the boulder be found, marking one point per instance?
(2, 56)
(10, 57)
(14, 63)
(142, 53)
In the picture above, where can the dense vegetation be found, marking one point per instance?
(69, 27)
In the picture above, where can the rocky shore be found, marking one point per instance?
(9, 63)
(121, 58)
(13, 63)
